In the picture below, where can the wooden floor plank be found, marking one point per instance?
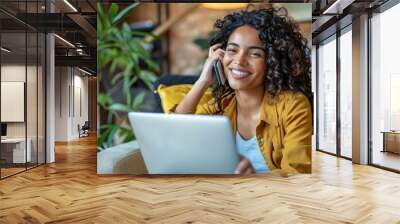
(70, 191)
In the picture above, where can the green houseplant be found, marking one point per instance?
(122, 61)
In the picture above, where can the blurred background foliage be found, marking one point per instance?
(123, 61)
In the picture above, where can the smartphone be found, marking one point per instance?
(218, 73)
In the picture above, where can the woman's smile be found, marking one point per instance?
(238, 73)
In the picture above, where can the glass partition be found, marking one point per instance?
(31, 98)
(14, 153)
(41, 111)
(22, 92)
(327, 96)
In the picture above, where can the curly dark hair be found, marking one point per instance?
(288, 58)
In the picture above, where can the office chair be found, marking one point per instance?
(84, 130)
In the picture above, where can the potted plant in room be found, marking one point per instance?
(123, 62)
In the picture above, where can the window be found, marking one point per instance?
(385, 88)
(346, 93)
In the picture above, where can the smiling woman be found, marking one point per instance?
(268, 95)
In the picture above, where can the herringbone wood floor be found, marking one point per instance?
(70, 191)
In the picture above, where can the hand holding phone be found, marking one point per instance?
(218, 73)
(210, 67)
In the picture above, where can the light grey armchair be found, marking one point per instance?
(121, 159)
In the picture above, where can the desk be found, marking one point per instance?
(391, 141)
(13, 150)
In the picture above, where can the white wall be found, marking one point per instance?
(33, 127)
(16, 73)
(71, 94)
(80, 110)
(61, 103)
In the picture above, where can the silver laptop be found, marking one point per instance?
(185, 144)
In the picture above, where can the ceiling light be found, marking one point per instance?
(86, 72)
(79, 51)
(65, 41)
(70, 5)
(223, 6)
(5, 49)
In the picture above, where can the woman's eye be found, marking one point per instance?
(254, 54)
(231, 50)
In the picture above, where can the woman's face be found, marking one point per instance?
(244, 59)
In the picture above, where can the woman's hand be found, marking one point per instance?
(244, 167)
(215, 52)
(190, 101)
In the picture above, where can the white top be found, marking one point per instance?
(251, 151)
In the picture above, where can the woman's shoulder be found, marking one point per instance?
(294, 102)
(288, 101)
(290, 95)
(286, 96)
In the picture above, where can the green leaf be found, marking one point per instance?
(116, 78)
(112, 11)
(112, 134)
(112, 68)
(130, 137)
(148, 75)
(132, 81)
(127, 94)
(120, 107)
(137, 47)
(138, 100)
(100, 18)
(127, 132)
(103, 136)
(128, 69)
(124, 12)
(135, 58)
(148, 78)
(153, 66)
(103, 99)
(100, 9)
(99, 26)
(126, 31)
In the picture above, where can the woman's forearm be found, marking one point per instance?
(189, 103)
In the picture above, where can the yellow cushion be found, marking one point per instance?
(172, 95)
